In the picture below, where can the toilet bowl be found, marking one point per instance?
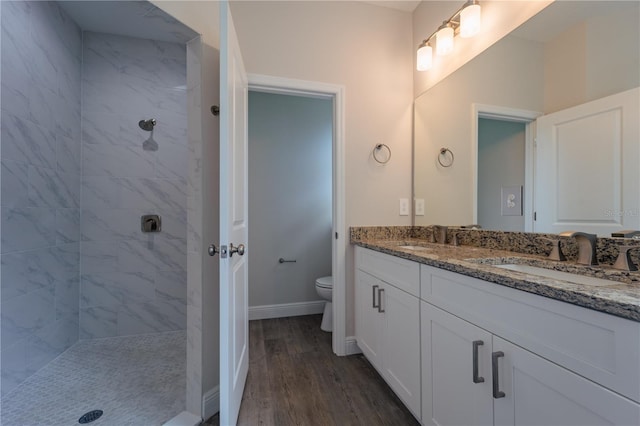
(324, 287)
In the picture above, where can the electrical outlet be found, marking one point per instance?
(404, 207)
(511, 202)
(419, 207)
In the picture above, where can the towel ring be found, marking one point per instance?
(443, 155)
(377, 148)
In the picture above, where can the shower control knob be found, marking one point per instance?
(233, 249)
(213, 250)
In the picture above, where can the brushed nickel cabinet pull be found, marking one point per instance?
(373, 305)
(380, 291)
(497, 393)
(475, 344)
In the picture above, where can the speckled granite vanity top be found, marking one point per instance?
(621, 297)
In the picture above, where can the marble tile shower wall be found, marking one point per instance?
(40, 194)
(133, 283)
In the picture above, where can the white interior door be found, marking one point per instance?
(587, 167)
(234, 325)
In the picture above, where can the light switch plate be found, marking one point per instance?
(419, 207)
(404, 207)
(511, 201)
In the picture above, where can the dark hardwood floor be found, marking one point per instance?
(295, 379)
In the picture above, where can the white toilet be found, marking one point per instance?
(324, 287)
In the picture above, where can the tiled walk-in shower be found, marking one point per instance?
(136, 380)
(93, 310)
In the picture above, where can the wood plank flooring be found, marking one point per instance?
(295, 379)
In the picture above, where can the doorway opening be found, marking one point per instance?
(327, 100)
(492, 166)
(290, 141)
(501, 174)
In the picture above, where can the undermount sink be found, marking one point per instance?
(557, 275)
(417, 248)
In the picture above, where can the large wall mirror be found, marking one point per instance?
(476, 159)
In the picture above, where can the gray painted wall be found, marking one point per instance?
(501, 160)
(290, 196)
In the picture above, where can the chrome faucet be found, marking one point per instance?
(440, 234)
(586, 246)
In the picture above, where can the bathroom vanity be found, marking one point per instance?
(463, 340)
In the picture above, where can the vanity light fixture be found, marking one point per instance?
(466, 22)
(470, 18)
(444, 39)
(425, 57)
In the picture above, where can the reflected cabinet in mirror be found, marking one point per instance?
(543, 127)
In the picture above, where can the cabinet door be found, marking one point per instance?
(538, 392)
(401, 346)
(451, 393)
(368, 319)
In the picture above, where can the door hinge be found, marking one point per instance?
(535, 142)
(336, 235)
(535, 215)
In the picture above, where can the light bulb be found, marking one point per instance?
(444, 40)
(425, 58)
(470, 21)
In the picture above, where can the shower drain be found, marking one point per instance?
(90, 416)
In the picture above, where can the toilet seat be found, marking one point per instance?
(325, 282)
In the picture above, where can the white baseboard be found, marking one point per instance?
(184, 419)
(286, 310)
(211, 402)
(351, 346)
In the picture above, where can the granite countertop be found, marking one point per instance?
(621, 298)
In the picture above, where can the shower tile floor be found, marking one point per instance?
(135, 380)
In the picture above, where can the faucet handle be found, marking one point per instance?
(440, 234)
(556, 251)
(624, 262)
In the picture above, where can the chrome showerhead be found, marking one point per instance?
(147, 125)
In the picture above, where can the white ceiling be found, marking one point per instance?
(139, 19)
(403, 5)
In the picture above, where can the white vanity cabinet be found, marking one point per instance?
(368, 323)
(388, 321)
(537, 391)
(451, 393)
(458, 387)
(588, 372)
(459, 350)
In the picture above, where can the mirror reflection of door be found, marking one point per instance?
(501, 170)
(587, 166)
